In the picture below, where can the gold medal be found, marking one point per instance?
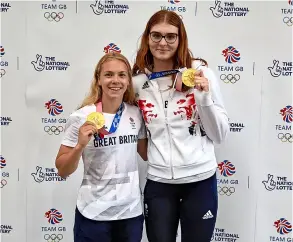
(188, 77)
(96, 118)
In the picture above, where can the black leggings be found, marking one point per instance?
(194, 204)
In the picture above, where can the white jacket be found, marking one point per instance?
(181, 143)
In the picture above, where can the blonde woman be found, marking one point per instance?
(109, 199)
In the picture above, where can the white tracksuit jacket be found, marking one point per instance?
(181, 142)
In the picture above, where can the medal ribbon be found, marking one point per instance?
(178, 78)
(159, 74)
(115, 122)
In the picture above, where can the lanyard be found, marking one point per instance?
(178, 81)
(159, 74)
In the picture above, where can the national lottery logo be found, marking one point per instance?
(280, 183)
(284, 131)
(54, 216)
(49, 64)
(46, 174)
(112, 48)
(226, 185)
(223, 235)
(236, 127)
(228, 9)
(108, 7)
(38, 176)
(5, 121)
(283, 226)
(280, 68)
(5, 228)
(4, 7)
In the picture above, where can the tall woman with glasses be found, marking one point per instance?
(183, 110)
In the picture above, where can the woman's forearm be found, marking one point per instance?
(67, 163)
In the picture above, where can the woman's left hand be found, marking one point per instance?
(201, 83)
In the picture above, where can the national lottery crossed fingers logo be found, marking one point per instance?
(108, 7)
(229, 9)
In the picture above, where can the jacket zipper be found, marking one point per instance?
(168, 128)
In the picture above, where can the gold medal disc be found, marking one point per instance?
(97, 118)
(188, 77)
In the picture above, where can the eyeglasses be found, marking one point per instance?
(157, 37)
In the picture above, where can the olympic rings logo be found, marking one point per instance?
(54, 16)
(288, 21)
(2, 72)
(53, 130)
(285, 137)
(3, 183)
(226, 190)
(230, 78)
(53, 237)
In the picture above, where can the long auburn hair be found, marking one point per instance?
(96, 91)
(183, 56)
